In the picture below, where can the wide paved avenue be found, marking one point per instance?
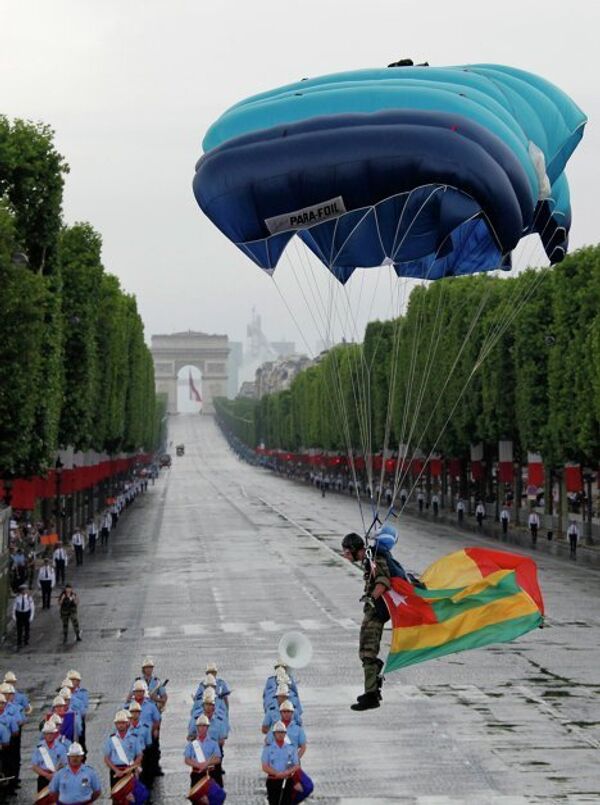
(220, 558)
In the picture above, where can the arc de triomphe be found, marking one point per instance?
(206, 352)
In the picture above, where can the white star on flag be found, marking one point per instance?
(397, 598)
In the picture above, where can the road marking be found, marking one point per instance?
(154, 631)
(311, 625)
(234, 628)
(348, 623)
(270, 626)
(193, 629)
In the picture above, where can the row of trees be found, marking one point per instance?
(74, 367)
(474, 359)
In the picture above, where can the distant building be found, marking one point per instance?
(234, 364)
(247, 390)
(277, 375)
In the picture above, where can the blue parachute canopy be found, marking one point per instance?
(436, 171)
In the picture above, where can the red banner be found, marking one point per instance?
(435, 467)
(477, 471)
(573, 478)
(535, 474)
(505, 472)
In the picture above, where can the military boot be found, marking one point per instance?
(368, 701)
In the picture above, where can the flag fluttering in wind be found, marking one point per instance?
(194, 393)
(474, 597)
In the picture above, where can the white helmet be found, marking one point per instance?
(58, 701)
(75, 750)
(282, 690)
(287, 705)
(209, 696)
(121, 715)
(202, 721)
(139, 684)
(279, 726)
(210, 681)
(49, 727)
(211, 668)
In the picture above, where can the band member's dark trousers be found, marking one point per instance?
(573, 545)
(92, 541)
(113, 776)
(279, 792)
(104, 536)
(479, 520)
(23, 619)
(461, 515)
(435, 509)
(368, 650)
(421, 505)
(42, 782)
(504, 526)
(79, 554)
(534, 533)
(115, 518)
(46, 593)
(59, 569)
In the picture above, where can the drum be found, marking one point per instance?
(122, 789)
(43, 797)
(199, 789)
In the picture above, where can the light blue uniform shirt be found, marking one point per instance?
(295, 735)
(142, 732)
(82, 697)
(149, 714)
(272, 714)
(4, 733)
(209, 747)
(15, 712)
(57, 752)
(271, 686)
(223, 689)
(220, 710)
(11, 723)
(131, 746)
(22, 702)
(154, 685)
(74, 787)
(280, 758)
(217, 729)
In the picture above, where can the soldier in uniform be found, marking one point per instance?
(377, 581)
(203, 754)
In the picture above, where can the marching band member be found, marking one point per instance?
(49, 756)
(76, 783)
(122, 751)
(203, 755)
(303, 785)
(272, 714)
(280, 763)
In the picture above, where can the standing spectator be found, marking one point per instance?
(78, 543)
(46, 581)
(460, 510)
(504, 520)
(420, 499)
(19, 568)
(68, 602)
(92, 533)
(480, 514)
(61, 560)
(23, 612)
(105, 529)
(573, 534)
(534, 524)
(435, 502)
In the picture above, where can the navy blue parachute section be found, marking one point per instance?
(436, 172)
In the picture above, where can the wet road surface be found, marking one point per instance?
(218, 559)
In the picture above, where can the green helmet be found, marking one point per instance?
(353, 543)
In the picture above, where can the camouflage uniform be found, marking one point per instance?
(68, 612)
(376, 572)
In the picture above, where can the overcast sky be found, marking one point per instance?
(130, 87)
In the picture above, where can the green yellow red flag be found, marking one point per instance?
(473, 597)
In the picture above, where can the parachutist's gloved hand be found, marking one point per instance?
(369, 603)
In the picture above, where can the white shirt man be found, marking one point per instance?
(534, 524)
(78, 543)
(46, 581)
(61, 560)
(573, 534)
(23, 613)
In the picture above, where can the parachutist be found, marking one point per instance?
(377, 579)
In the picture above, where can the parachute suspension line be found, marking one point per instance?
(337, 394)
(485, 350)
